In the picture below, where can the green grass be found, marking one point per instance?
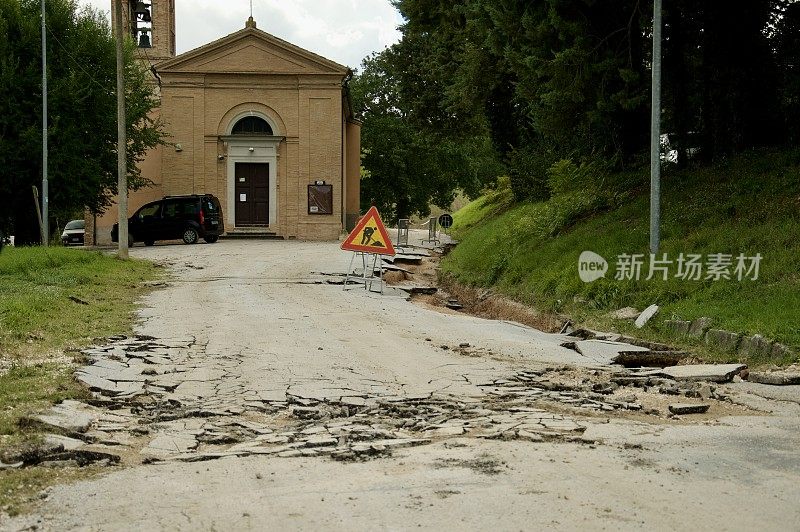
(37, 316)
(19, 488)
(26, 389)
(491, 203)
(39, 323)
(750, 204)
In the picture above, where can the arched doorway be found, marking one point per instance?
(252, 171)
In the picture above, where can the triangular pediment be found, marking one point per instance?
(251, 51)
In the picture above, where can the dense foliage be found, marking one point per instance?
(407, 165)
(82, 110)
(570, 79)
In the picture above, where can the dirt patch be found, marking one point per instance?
(474, 301)
(484, 464)
(395, 278)
(485, 304)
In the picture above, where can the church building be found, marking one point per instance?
(262, 124)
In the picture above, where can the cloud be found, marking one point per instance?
(345, 31)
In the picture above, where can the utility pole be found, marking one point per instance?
(45, 194)
(655, 134)
(122, 142)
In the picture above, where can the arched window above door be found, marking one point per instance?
(251, 125)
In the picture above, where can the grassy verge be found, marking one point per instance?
(53, 302)
(749, 205)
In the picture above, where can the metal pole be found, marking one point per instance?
(122, 164)
(655, 134)
(45, 194)
(38, 213)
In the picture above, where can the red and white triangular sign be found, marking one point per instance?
(369, 236)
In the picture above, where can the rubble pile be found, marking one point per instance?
(156, 400)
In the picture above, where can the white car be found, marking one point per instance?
(73, 233)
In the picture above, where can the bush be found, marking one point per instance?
(565, 176)
(576, 192)
(528, 173)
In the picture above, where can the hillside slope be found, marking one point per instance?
(749, 205)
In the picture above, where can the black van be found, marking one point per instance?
(189, 217)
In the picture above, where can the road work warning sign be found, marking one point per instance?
(369, 236)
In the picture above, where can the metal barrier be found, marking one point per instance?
(433, 230)
(402, 231)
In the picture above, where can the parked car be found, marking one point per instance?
(189, 218)
(74, 233)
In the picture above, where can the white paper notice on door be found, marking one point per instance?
(242, 197)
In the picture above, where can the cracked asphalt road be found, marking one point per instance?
(251, 338)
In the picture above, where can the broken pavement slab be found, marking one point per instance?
(68, 417)
(65, 442)
(117, 373)
(97, 384)
(697, 372)
(646, 316)
(649, 359)
(685, 408)
(165, 445)
(405, 258)
(427, 290)
(605, 352)
(777, 378)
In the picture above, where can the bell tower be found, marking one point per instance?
(151, 25)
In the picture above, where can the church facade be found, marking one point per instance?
(262, 124)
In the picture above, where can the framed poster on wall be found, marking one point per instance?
(320, 199)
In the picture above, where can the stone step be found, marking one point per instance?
(250, 234)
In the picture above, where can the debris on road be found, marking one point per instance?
(166, 399)
(453, 304)
(406, 258)
(648, 358)
(604, 351)
(699, 372)
(68, 417)
(625, 313)
(683, 408)
(646, 316)
(165, 406)
(162, 406)
(418, 289)
(388, 267)
(775, 378)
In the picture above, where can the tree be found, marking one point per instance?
(787, 51)
(551, 79)
(557, 79)
(81, 108)
(406, 165)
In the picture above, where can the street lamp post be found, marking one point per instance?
(45, 193)
(655, 134)
(122, 142)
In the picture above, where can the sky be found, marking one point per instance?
(345, 31)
